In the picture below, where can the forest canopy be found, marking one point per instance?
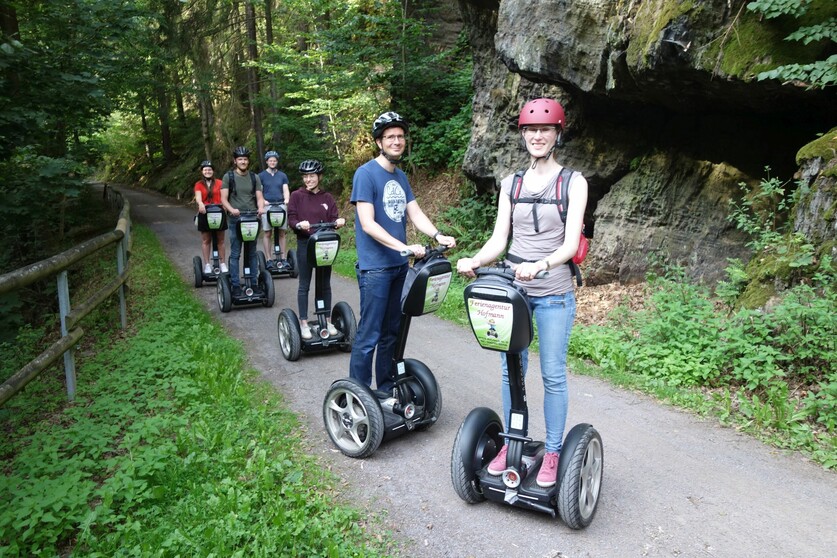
(141, 91)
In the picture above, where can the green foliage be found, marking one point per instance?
(471, 221)
(818, 74)
(773, 369)
(169, 449)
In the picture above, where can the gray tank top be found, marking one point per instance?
(529, 245)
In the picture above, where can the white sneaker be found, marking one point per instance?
(332, 330)
(224, 268)
(305, 332)
(207, 269)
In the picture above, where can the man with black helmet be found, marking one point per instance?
(241, 190)
(383, 201)
(276, 193)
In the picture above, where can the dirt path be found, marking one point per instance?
(674, 485)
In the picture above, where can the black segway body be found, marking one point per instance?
(256, 284)
(416, 401)
(216, 220)
(275, 263)
(501, 320)
(323, 247)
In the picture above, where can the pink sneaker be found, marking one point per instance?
(498, 464)
(549, 470)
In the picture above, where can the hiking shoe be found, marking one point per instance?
(207, 269)
(332, 330)
(498, 464)
(549, 470)
(237, 292)
(270, 264)
(224, 268)
(305, 332)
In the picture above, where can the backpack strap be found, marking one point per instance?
(231, 182)
(562, 189)
(253, 180)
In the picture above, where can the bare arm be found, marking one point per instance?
(225, 201)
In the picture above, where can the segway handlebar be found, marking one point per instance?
(501, 270)
(323, 225)
(428, 251)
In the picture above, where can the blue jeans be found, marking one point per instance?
(380, 317)
(554, 316)
(305, 271)
(235, 252)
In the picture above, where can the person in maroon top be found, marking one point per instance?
(208, 192)
(310, 205)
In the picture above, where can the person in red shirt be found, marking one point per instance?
(311, 205)
(208, 192)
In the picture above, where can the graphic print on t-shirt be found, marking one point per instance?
(395, 201)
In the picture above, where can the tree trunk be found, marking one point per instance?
(149, 153)
(178, 98)
(275, 138)
(163, 116)
(11, 30)
(252, 78)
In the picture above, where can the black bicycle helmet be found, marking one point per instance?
(241, 151)
(270, 154)
(311, 166)
(205, 164)
(388, 120)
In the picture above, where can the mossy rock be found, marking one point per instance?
(824, 147)
(754, 44)
(651, 20)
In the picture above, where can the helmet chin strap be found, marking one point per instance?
(390, 158)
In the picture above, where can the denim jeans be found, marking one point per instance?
(554, 316)
(235, 253)
(380, 317)
(305, 271)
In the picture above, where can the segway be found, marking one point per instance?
(256, 284)
(323, 247)
(276, 264)
(502, 321)
(358, 419)
(216, 219)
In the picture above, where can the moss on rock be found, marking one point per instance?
(651, 19)
(824, 147)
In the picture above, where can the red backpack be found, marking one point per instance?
(562, 188)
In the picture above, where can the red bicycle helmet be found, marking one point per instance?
(541, 111)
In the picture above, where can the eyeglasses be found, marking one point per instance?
(533, 130)
(395, 137)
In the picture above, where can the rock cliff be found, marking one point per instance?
(664, 117)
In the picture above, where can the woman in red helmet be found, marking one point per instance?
(540, 241)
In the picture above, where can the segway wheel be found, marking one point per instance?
(477, 443)
(581, 482)
(344, 320)
(198, 265)
(353, 418)
(290, 339)
(293, 269)
(425, 391)
(262, 261)
(266, 282)
(224, 291)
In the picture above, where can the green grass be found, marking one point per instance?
(172, 447)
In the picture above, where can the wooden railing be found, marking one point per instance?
(71, 333)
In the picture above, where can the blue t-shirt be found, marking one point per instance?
(389, 193)
(272, 186)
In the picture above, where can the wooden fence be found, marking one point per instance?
(71, 333)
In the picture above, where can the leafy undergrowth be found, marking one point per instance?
(770, 372)
(170, 449)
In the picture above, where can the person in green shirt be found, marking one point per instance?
(241, 191)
